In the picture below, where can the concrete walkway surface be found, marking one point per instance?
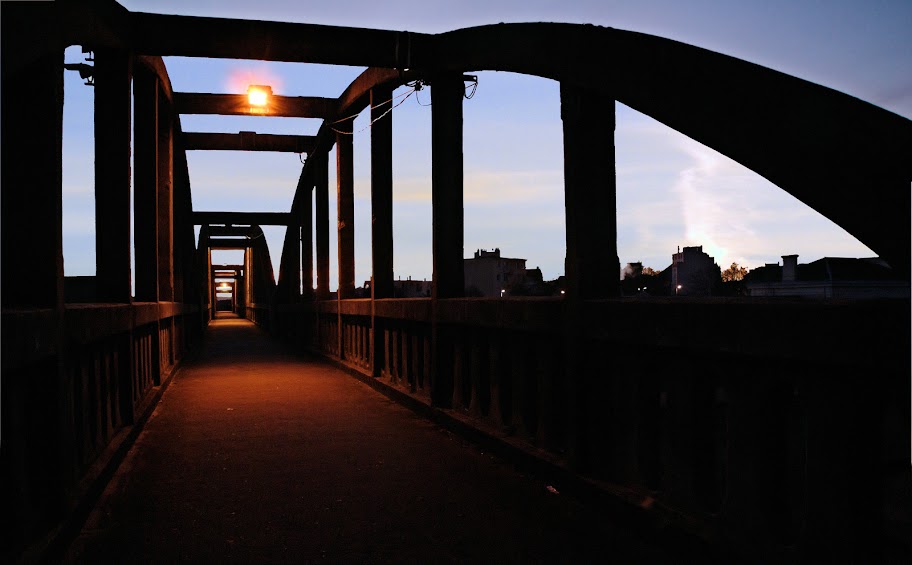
(255, 455)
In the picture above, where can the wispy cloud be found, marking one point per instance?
(737, 215)
(705, 215)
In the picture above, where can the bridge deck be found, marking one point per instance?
(255, 455)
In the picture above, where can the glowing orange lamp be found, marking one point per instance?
(258, 97)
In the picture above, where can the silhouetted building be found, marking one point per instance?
(489, 274)
(406, 288)
(411, 288)
(829, 277)
(532, 284)
(694, 273)
(635, 282)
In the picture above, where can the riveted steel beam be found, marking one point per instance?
(238, 105)
(242, 218)
(248, 141)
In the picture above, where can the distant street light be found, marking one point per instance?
(502, 291)
(677, 288)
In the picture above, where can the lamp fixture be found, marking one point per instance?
(86, 72)
(258, 97)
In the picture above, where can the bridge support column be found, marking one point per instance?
(592, 267)
(210, 287)
(345, 203)
(146, 182)
(248, 282)
(447, 92)
(321, 201)
(112, 174)
(32, 196)
(447, 186)
(168, 285)
(37, 399)
(381, 213)
(590, 189)
(291, 263)
(305, 221)
(382, 192)
(240, 285)
(113, 78)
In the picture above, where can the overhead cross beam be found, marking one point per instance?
(248, 141)
(242, 218)
(238, 105)
(224, 243)
(230, 230)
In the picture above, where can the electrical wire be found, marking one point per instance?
(416, 86)
(381, 116)
(418, 98)
(353, 116)
(474, 87)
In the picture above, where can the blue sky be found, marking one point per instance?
(672, 191)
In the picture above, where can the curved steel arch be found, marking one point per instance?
(847, 159)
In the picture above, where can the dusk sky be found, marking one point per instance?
(672, 191)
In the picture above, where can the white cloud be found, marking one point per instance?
(737, 215)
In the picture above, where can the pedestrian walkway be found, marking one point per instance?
(255, 455)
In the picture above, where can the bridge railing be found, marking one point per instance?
(96, 375)
(737, 419)
(258, 314)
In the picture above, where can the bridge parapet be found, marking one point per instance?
(74, 389)
(736, 419)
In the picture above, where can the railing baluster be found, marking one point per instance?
(475, 377)
(544, 369)
(495, 377)
(459, 400)
(518, 385)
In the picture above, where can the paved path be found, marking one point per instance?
(257, 456)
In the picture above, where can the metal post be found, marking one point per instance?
(447, 91)
(145, 181)
(305, 219)
(593, 269)
(382, 192)
(345, 201)
(112, 174)
(321, 201)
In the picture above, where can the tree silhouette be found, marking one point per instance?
(734, 273)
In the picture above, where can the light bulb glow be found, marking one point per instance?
(258, 95)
